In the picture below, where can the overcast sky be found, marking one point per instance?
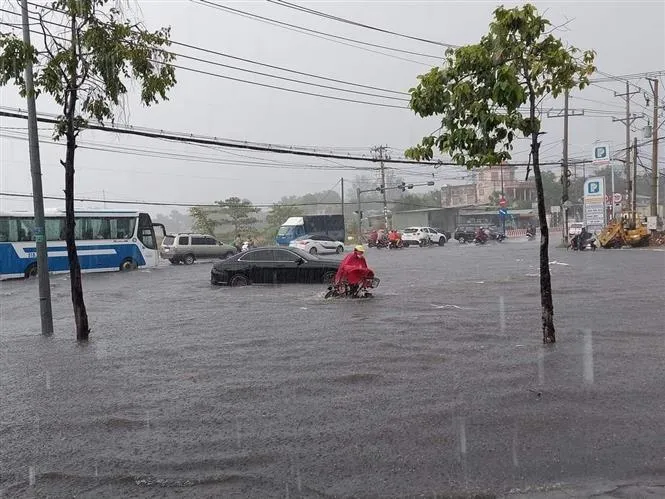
(629, 37)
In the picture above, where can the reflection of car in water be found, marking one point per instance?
(273, 266)
(317, 243)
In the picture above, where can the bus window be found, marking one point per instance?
(122, 228)
(146, 231)
(8, 231)
(55, 229)
(26, 228)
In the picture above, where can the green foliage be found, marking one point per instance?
(202, 221)
(479, 89)
(95, 61)
(238, 213)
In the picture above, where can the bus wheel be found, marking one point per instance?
(31, 271)
(128, 264)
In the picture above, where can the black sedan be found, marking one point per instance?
(273, 266)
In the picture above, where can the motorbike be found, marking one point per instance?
(481, 239)
(499, 237)
(365, 281)
(530, 236)
(588, 242)
(379, 243)
(395, 244)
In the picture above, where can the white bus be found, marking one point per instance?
(106, 240)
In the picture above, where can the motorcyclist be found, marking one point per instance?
(530, 230)
(373, 237)
(394, 237)
(481, 235)
(353, 269)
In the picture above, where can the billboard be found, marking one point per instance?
(594, 203)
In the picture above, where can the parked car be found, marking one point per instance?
(465, 233)
(274, 265)
(317, 243)
(187, 248)
(414, 236)
(575, 228)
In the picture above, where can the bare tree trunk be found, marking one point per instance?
(545, 278)
(80, 313)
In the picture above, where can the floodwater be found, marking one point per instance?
(437, 387)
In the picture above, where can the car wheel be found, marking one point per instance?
(340, 249)
(312, 250)
(238, 280)
(406, 244)
(328, 277)
(461, 240)
(128, 264)
(442, 241)
(188, 259)
(31, 271)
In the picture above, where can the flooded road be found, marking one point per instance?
(440, 385)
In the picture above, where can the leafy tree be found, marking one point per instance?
(238, 213)
(479, 90)
(86, 70)
(203, 222)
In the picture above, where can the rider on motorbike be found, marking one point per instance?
(481, 235)
(394, 238)
(531, 230)
(353, 270)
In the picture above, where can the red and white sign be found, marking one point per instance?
(503, 202)
(617, 197)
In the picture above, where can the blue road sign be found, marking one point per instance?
(503, 212)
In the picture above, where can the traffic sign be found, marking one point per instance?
(503, 212)
(503, 202)
(617, 197)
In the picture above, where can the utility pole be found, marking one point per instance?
(635, 182)
(360, 218)
(628, 120)
(565, 113)
(503, 196)
(564, 178)
(654, 151)
(380, 150)
(46, 314)
(342, 196)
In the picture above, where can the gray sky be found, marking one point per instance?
(629, 37)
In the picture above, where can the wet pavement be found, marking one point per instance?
(437, 387)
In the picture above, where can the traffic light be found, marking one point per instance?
(402, 186)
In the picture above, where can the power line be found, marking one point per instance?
(250, 61)
(189, 205)
(276, 87)
(190, 138)
(318, 34)
(283, 3)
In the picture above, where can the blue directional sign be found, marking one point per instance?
(503, 212)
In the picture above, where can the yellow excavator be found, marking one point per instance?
(629, 230)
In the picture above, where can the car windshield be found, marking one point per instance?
(410, 230)
(285, 230)
(303, 238)
(168, 240)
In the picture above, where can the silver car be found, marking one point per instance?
(187, 248)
